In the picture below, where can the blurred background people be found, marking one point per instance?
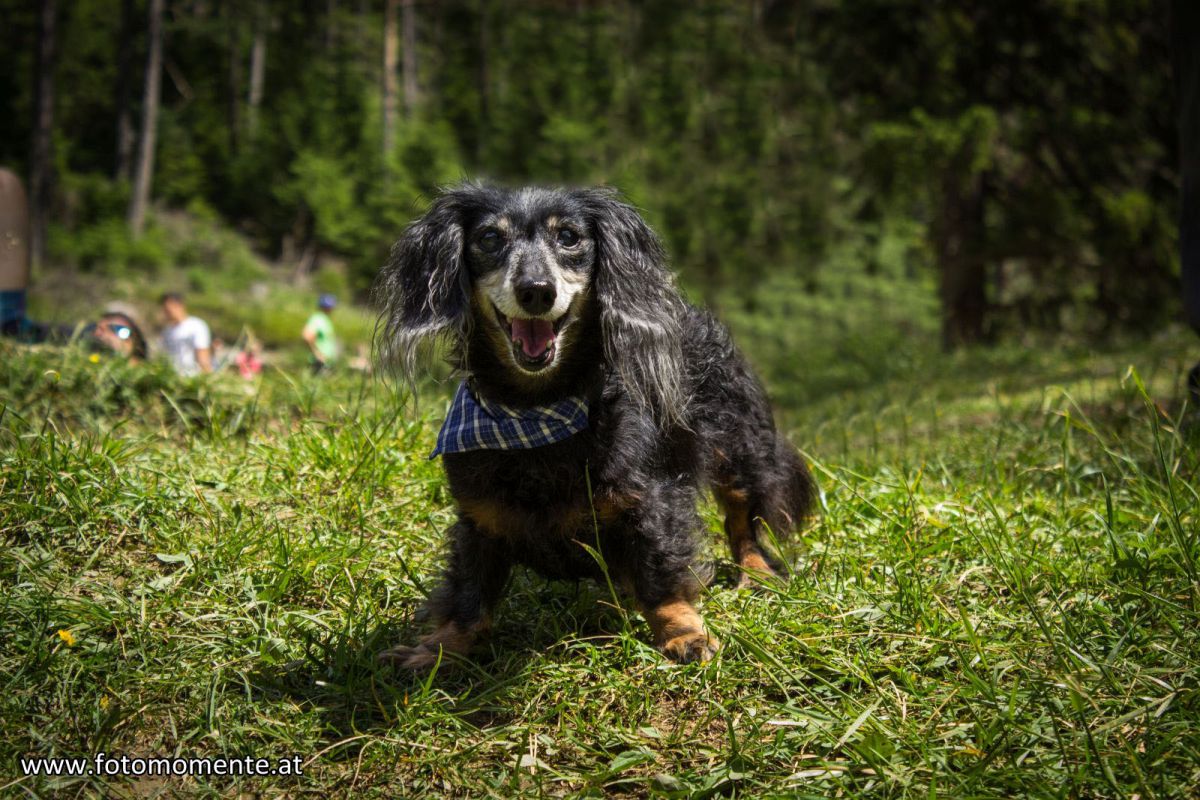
(14, 253)
(319, 335)
(186, 339)
(361, 361)
(248, 359)
(118, 330)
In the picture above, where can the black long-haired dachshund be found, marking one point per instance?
(596, 405)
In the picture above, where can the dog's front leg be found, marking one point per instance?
(679, 631)
(665, 585)
(461, 606)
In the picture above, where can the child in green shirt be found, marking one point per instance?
(319, 335)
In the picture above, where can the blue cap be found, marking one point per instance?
(326, 301)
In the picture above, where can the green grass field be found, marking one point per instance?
(999, 599)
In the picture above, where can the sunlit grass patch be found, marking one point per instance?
(999, 599)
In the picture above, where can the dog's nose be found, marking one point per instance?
(535, 296)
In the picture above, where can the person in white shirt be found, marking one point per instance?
(186, 339)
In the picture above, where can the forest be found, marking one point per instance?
(1014, 162)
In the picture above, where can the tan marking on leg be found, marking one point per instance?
(743, 544)
(679, 632)
(490, 517)
(755, 572)
(454, 639)
(501, 521)
(609, 506)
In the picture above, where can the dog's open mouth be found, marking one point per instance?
(533, 340)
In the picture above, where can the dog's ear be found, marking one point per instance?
(641, 311)
(422, 290)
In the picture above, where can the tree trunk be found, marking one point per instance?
(410, 58)
(483, 80)
(391, 48)
(258, 66)
(959, 239)
(331, 31)
(1185, 25)
(363, 59)
(124, 94)
(234, 39)
(41, 157)
(143, 173)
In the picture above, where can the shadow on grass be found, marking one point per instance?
(537, 624)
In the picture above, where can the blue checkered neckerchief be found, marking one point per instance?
(475, 424)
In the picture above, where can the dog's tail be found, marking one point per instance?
(792, 497)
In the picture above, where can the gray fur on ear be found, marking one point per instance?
(641, 311)
(422, 290)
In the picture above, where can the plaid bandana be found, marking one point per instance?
(475, 424)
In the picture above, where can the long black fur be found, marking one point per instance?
(674, 408)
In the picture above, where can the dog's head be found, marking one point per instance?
(522, 270)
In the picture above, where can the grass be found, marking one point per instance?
(999, 599)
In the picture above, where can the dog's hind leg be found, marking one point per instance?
(461, 606)
(742, 527)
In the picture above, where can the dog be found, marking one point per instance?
(596, 405)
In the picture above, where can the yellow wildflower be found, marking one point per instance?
(104, 702)
(94, 358)
(67, 637)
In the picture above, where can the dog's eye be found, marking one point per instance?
(568, 237)
(490, 241)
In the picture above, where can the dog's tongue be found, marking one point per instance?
(535, 335)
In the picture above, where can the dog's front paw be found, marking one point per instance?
(417, 659)
(697, 646)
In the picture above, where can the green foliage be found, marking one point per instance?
(108, 246)
(848, 331)
(1009, 132)
(92, 198)
(180, 175)
(196, 243)
(331, 281)
(327, 188)
(922, 150)
(1027, 147)
(425, 158)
